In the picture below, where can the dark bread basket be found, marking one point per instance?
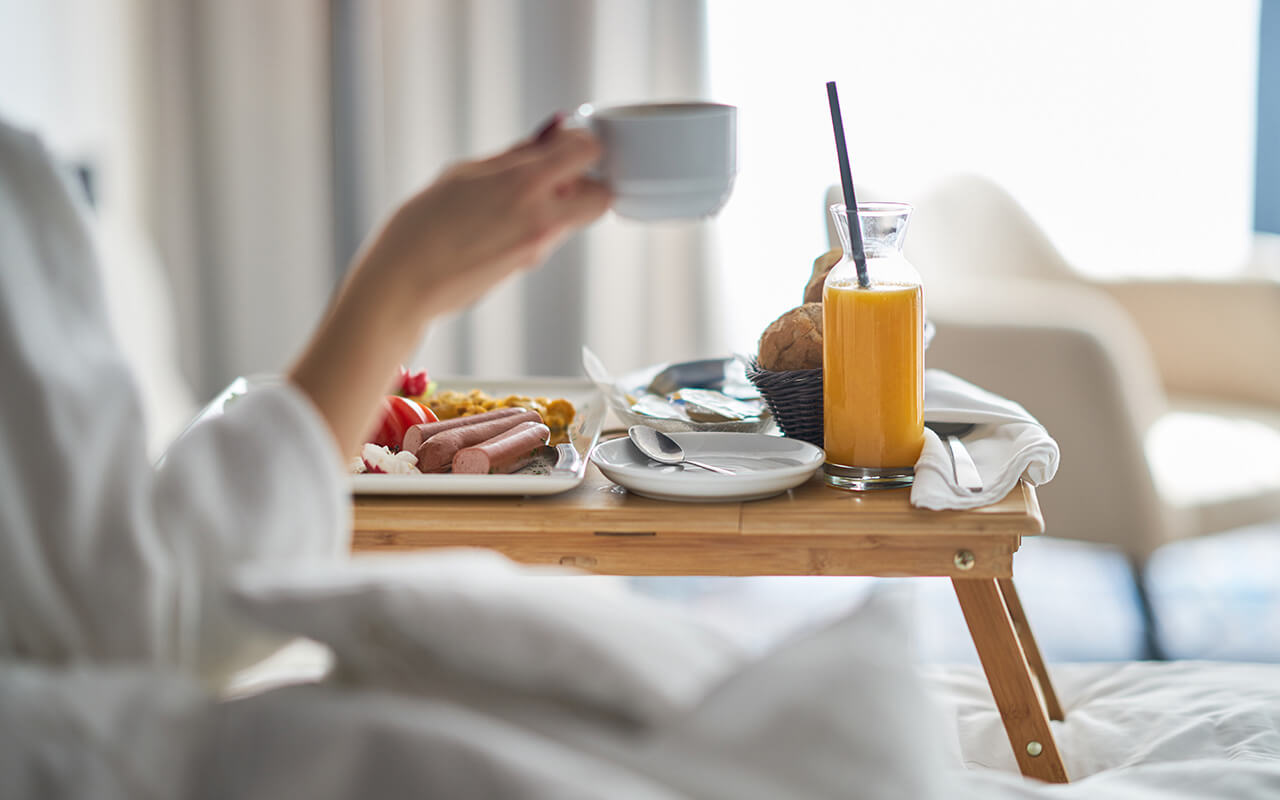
(795, 398)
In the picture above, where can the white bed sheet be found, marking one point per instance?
(1123, 714)
(1135, 730)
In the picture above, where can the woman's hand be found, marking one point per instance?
(476, 224)
(483, 220)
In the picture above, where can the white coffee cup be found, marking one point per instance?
(666, 160)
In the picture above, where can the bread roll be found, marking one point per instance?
(793, 340)
(821, 266)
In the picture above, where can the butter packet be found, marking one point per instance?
(708, 405)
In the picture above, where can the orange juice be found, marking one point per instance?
(873, 374)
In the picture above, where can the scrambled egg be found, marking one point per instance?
(556, 414)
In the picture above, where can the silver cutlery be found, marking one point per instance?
(962, 466)
(662, 448)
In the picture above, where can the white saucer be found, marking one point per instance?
(765, 466)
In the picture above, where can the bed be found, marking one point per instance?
(590, 690)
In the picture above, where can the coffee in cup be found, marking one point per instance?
(666, 160)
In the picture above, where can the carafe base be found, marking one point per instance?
(866, 479)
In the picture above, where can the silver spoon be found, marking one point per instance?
(662, 448)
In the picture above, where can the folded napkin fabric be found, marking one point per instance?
(1008, 444)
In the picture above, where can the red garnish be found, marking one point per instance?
(398, 415)
(371, 468)
(412, 384)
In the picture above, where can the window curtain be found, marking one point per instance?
(434, 81)
(233, 167)
(274, 136)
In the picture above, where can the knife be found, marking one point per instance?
(563, 457)
(962, 466)
(966, 472)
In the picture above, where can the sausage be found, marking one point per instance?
(417, 434)
(435, 453)
(504, 453)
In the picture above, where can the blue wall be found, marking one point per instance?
(1266, 213)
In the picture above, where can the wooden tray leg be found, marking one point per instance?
(1029, 648)
(1009, 675)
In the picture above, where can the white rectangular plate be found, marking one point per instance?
(583, 433)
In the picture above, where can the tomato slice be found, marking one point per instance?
(398, 415)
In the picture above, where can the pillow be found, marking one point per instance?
(401, 621)
(838, 712)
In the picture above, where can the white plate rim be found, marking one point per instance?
(708, 487)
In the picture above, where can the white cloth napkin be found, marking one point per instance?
(1008, 444)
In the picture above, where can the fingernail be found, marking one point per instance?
(548, 127)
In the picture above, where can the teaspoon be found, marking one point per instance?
(662, 448)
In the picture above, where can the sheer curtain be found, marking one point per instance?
(273, 137)
(232, 149)
(438, 80)
(67, 74)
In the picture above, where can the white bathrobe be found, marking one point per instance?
(104, 560)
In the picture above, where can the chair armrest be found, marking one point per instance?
(1070, 355)
(1216, 339)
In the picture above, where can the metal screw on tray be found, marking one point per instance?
(662, 448)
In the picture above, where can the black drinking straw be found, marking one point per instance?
(846, 183)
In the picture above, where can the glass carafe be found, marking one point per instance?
(873, 356)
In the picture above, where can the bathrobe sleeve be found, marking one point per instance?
(103, 557)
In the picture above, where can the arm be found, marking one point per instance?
(441, 251)
(102, 557)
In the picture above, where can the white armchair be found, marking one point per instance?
(1164, 396)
